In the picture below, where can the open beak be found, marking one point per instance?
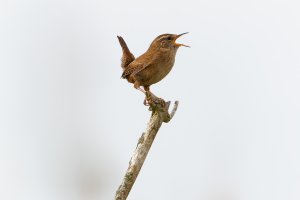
(176, 44)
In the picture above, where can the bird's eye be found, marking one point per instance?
(169, 38)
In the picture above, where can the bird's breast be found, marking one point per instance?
(158, 68)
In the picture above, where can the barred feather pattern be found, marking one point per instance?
(132, 70)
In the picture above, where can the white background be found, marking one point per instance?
(68, 123)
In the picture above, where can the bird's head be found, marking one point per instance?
(167, 41)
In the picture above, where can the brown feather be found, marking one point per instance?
(127, 56)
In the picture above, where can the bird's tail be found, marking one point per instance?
(123, 44)
(127, 56)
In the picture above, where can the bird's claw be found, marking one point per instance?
(154, 100)
(146, 103)
(160, 101)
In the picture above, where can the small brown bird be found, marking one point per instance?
(152, 66)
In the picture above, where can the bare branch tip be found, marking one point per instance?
(174, 109)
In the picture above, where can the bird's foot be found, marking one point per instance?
(152, 100)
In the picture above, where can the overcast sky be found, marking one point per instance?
(69, 124)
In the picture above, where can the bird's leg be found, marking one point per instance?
(150, 97)
(137, 86)
(140, 89)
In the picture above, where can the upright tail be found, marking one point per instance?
(127, 56)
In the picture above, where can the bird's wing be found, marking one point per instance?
(133, 69)
(127, 56)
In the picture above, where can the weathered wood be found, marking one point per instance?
(159, 115)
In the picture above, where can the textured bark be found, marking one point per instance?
(159, 115)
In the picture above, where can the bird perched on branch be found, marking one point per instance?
(152, 66)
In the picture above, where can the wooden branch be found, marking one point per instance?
(159, 115)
